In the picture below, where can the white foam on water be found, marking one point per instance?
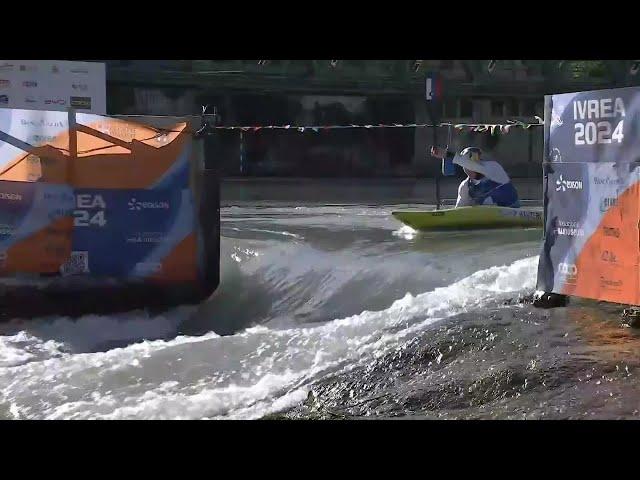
(247, 375)
(24, 347)
(11, 355)
(405, 232)
(91, 332)
(262, 230)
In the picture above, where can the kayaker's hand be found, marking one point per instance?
(438, 152)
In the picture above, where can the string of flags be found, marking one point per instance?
(474, 127)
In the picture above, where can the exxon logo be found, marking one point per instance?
(564, 185)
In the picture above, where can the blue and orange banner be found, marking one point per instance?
(592, 196)
(113, 201)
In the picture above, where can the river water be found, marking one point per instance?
(335, 311)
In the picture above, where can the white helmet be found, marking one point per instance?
(469, 158)
(473, 153)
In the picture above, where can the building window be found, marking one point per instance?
(466, 108)
(497, 108)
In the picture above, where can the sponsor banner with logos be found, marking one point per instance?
(35, 227)
(567, 190)
(53, 85)
(110, 233)
(151, 165)
(605, 282)
(98, 214)
(592, 196)
(591, 224)
(594, 126)
(130, 226)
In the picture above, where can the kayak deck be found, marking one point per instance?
(470, 218)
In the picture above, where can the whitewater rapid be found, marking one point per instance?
(306, 292)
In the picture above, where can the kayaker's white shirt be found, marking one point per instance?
(489, 168)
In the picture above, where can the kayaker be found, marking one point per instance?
(486, 184)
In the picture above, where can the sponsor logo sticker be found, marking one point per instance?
(607, 181)
(137, 205)
(81, 102)
(55, 101)
(569, 229)
(568, 272)
(146, 237)
(42, 123)
(610, 284)
(42, 138)
(78, 263)
(123, 132)
(564, 185)
(607, 202)
(611, 231)
(15, 197)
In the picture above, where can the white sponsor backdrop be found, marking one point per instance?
(35, 127)
(53, 85)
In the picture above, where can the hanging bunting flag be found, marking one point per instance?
(474, 127)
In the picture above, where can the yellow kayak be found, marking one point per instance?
(471, 218)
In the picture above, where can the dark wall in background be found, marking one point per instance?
(388, 152)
